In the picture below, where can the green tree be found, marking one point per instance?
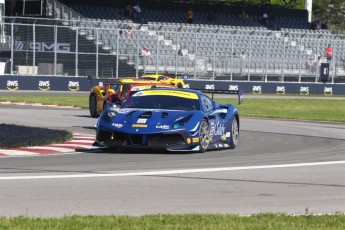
(330, 12)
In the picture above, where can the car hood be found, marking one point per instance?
(147, 120)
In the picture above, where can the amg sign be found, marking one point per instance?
(42, 46)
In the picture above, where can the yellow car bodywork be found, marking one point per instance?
(179, 83)
(98, 94)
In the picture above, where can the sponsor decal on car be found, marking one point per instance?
(44, 85)
(179, 118)
(212, 128)
(195, 139)
(162, 126)
(219, 129)
(111, 114)
(117, 125)
(141, 120)
(167, 93)
(227, 134)
(139, 125)
(223, 137)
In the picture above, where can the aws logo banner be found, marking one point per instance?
(280, 90)
(304, 90)
(73, 86)
(44, 85)
(328, 91)
(12, 85)
(257, 89)
(211, 87)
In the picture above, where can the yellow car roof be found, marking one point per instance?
(134, 80)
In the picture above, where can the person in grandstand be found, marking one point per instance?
(145, 54)
(190, 16)
(129, 31)
(137, 11)
(329, 52)
(129, 11)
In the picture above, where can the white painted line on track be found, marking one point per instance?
(9, 152)
(77, 146)
(63, 150)
(81, 141)
(169, 172)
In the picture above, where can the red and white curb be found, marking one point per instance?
(79, 142)
(38, 105)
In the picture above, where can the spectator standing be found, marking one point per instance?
(129, 31)
(329, 52)
(137, 11)
(190, 16)
(243, 57)
(265, 18)
(145, 54)
(129, 11)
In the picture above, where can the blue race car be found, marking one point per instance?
(169, 119)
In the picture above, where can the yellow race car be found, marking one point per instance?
(179, 83)
(118, 91)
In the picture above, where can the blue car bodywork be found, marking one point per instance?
(169, 119)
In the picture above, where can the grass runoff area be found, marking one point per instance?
(297, 108)
(13, 136)
(301, 108)
(188, 221)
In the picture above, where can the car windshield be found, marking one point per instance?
(162, 102)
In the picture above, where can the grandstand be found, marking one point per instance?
(285, 49)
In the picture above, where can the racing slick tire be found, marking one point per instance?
(93, 106)
(234, 136)
(179, 85)
(203, 136)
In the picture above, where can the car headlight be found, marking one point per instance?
(107, 116)
(182, 122)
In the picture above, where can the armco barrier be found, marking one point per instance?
(45, 83)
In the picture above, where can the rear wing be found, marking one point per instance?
(240, 93)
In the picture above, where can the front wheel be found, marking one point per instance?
(235, 133)
(93, 106)
(203, 136)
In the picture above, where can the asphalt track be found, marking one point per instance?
(292, 167)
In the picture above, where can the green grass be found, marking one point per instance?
(301, 109)
(30, 136)
(297, 109)
(77, 101)
(189, 221)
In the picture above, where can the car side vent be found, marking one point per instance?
(164, 115)
(147, 114)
